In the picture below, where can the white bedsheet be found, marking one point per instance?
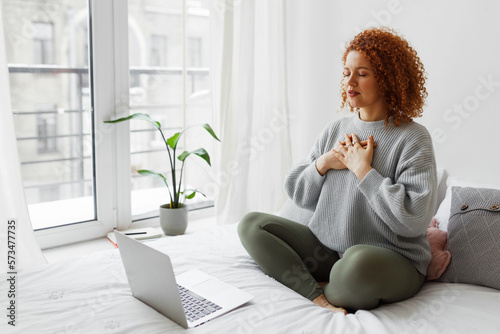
(91, 295)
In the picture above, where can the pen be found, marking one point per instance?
(134, 233)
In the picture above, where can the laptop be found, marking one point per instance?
(189, 299)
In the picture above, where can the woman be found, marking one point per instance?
(370, 203)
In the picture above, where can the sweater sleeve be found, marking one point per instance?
(406, 204)
(303, 183)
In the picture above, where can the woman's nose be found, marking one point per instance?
(351, 81)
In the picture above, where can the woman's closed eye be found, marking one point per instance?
(359, 74)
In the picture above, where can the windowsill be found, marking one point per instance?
(198, 220)
(145, 204)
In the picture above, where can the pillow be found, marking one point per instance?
(443, 213)
(440, 256)
(473, 237)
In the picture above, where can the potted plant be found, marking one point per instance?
(173, 215)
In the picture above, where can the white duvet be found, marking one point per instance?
(91, 295)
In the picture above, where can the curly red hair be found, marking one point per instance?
(397, 69)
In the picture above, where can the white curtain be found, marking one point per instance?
(12, 199)
(248, 71)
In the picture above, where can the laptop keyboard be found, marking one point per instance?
(195, 306)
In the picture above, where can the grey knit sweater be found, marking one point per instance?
(393, 204)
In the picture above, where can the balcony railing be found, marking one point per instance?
(78, 138)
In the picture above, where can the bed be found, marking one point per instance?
(90, 294)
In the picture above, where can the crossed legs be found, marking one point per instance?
(365, 276)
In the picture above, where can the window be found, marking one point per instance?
(158, 50)
(46, 129)
(167, 94)
(43, 43)
(194, 48)
(52, 110)
(76, 169)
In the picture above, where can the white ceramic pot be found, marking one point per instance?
(173, 221)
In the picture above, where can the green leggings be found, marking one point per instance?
(365, 277)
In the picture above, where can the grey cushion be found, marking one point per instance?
(474, 237)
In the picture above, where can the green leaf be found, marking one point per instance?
(191, 193)
(144, 117)
(147, 172)
(201, 152)
(172, 141)
(210, 130)
(188, 195)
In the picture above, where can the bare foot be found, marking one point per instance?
(321, 301)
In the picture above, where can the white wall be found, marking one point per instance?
(459, 45)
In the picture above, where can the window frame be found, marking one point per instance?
(110, 99)
(111, 147)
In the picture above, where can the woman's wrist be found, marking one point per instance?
(361, 173)
(320, 166)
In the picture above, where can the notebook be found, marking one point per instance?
(137, 234)
(189, 299)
